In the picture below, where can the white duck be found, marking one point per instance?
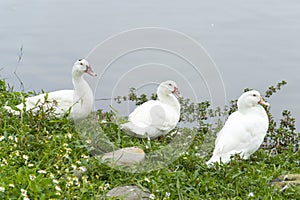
(79, 101)
(155, 117)
(244, 130)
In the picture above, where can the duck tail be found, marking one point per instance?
(12, 111)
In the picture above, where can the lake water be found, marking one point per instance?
(252, 44)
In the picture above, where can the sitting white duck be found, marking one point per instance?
(79, 101)
(244, 130)
(155, 117)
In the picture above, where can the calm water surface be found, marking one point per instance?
(253, 43)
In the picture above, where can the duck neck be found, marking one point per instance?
(247, 109)
(170, 100)
(82, 89)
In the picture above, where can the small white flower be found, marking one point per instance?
(55, 181)
(74, 166)
(32, 177)
(70, 183)
(30, 165)
(25, 157)
(78, 162)
(147, 179)
(66, 156)
(2, 138)
(51, 176)
(11, 185)
(58, 188)
(106, 186)
(83, 169)
(42, 172)
(151, 196)
(75, 179)
(17, 153)
(84, 156)
(69, 135)
(251, 194)
(23, 192)
(85, 179)
(4, 161)
(2, 189)
(198, 154)
(88, 141)
(10, 137)
(26, 198)
(58, 193)
(168, 194)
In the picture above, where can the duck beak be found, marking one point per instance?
(90, 71)
(262, 102)
(176, 92)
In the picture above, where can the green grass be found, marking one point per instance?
(38, 157)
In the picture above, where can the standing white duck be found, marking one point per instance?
(155, 117)
(244, 130)
(79, 101)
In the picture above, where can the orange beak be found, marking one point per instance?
(90, 71)
(262, 102)
(176, 92)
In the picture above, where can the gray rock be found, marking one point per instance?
(285, 181)
(126, 156)
(129, 193)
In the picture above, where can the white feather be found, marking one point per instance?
(79, 101)
(244, 130)
(155, 117)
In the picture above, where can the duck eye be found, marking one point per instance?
(254, 95)
(81, 63)
(170, 84)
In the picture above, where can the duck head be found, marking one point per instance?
(251, 99)
(82, 66)
(167, 88)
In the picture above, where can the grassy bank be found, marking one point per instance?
(40, 158)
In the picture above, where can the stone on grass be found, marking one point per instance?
(284, 181)
(126, 156)
(129, 193)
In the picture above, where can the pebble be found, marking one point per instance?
(125, 156)
(285, 181)
(129, 193)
